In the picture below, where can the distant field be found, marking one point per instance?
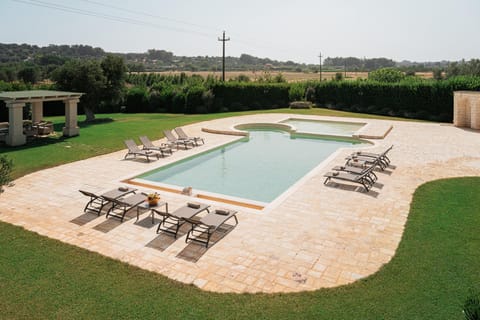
(290, 76)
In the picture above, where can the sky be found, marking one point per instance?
(415, 30)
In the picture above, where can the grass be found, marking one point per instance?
(105, 137)
(430, 276)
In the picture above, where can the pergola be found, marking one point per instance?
(16, 100)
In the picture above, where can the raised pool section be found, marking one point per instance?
(333, 128)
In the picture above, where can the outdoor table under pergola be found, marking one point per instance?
(16, 100)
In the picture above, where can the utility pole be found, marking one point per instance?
(223, 39)
(320, 56)
(345, 77)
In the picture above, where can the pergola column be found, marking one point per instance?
(15, 135)
(37, 111)
(71, 124)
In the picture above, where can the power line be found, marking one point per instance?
(64, 8)
(132, 21)
(247, 42)
(143, 13)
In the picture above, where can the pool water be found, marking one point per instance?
(325, 127)
(258, 168)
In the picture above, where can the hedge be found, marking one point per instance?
(237, 96)
(411, 98)
(429, 100)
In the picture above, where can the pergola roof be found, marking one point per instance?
(37, 95)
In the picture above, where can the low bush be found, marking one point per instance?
(300, 105)
(6, 166)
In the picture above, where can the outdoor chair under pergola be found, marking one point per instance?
(14, 132)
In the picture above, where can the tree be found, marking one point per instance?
(5, 171)
(83, 76)
(437, 74)
(29, 74)
(386, 75)
(470, 68)
(114, 70)
(102, 82)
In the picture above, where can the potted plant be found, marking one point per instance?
(152, 199)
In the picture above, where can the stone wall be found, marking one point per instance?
(466, 109)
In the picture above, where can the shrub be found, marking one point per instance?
(279, 78)
(296, 91)
(300, 105)
(389, 75)
(208, 99)
(310, 94)
(6, 166)
(338, 76)
(410, 73)
(241, 78)
(471, 307)
(437, 74)
(194, 99)
(137, 100)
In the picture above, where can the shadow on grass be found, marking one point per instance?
(37, 142)
(86, 124)
(57, 137)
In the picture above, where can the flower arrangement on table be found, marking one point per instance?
(153, 198)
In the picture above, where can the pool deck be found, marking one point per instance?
(313, 236)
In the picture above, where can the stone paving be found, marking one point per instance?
(313, 236)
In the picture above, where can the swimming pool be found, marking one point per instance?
(259, 167)
(325, 127)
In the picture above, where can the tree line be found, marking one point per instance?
(31, 62)
(109, 87)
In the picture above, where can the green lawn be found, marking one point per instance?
(436, 265)
(430, 277)
(106, 137)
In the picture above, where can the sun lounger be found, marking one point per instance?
(359, 170)
(203, 229)
(148, 145)
(361, 161)
(177, 142)
(135, 151)
(97, 202)
(383, 156)
(361, 158)
(350, 177)
(171, 222)
(121, 206)
(183, 136)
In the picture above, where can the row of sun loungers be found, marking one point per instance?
(123, 199)
(359, 168)
(150, 150)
